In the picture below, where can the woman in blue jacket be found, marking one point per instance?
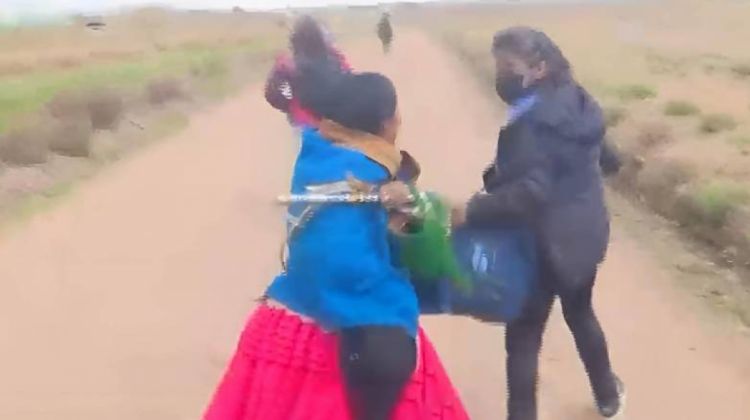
(337, 336)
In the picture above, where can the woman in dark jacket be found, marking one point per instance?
(547, 177)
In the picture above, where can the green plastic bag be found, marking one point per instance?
(427, 251)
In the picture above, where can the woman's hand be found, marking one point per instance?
(458, 215)
(396, 194)
(397, 222)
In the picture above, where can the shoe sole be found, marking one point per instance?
(623, 404)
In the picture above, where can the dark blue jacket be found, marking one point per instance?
(547, 176)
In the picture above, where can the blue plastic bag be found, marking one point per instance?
(502, 267)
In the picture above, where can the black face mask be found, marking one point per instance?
(510, 88)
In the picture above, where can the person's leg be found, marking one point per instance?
(377, 363)
(592, 345)
(523, 342)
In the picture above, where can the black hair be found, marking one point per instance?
(534, 47)
(308, 38)
(317, 84)
(363, 102)
(367, 102)
(317, 71)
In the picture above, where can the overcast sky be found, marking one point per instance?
(39, 6)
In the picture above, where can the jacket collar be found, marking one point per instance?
(374, 147)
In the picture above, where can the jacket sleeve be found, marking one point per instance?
(609, 160)
(349, 245)
(516, 200)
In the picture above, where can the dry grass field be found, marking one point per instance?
(72, 98)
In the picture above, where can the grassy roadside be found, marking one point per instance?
(53, 139)
(28, 93)
(17, 212)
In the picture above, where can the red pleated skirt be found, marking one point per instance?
(286, 368)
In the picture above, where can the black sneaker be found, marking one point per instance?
(610, 409)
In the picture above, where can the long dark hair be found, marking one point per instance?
(318, 72)
(534, 47)
(308, 39)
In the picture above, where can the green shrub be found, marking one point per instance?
(715, 123)
(741, 142)
(665, 65)
(680, 109)
(636, 92)
(105, 108)
(653, 134)
(102, 106)
(613, 116)
(713, 202)
(71, 137)
(210, 66)
(660, 181)
(165, 90)
(25, 145)
(741, 70)
(68, 104)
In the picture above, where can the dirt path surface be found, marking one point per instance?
(125, 303)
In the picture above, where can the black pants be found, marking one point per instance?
(523, 342)
(377, 362)
(386, 45)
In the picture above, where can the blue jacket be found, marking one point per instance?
(340, 269)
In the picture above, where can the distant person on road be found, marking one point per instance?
(547, 177)
(385, 31)
(310, 45)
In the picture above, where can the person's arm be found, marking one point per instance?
(609, 160)
(410, 170)
(515, 200)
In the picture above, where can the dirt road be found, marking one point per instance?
(124, 303)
